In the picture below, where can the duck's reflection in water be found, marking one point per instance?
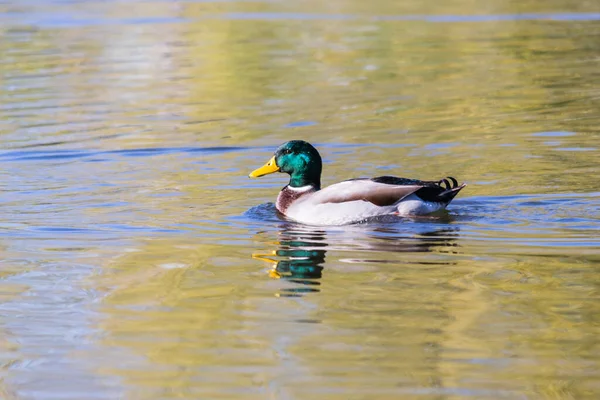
(300, 256)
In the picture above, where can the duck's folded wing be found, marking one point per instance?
(380, 194)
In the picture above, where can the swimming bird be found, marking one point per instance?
(303, 200)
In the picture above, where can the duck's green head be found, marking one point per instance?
(297, 158)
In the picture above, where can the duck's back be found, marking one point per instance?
(344, 202)
(358, 199)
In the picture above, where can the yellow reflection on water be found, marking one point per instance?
(505, 306)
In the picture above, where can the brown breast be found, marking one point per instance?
(288, 195)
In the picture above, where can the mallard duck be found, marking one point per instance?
(354, 200)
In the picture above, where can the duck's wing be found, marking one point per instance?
(380, 194)
(386, 190)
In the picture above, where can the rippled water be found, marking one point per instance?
(139, 262)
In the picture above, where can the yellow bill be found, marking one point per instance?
(265, 257)
(268, 168)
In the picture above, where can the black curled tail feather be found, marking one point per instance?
(447, 195)
(448, 183)
(442, 191)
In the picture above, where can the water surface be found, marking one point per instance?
(139, 262)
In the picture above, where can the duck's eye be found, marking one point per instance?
(286, 151)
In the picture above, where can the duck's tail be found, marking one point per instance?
(447, 195)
